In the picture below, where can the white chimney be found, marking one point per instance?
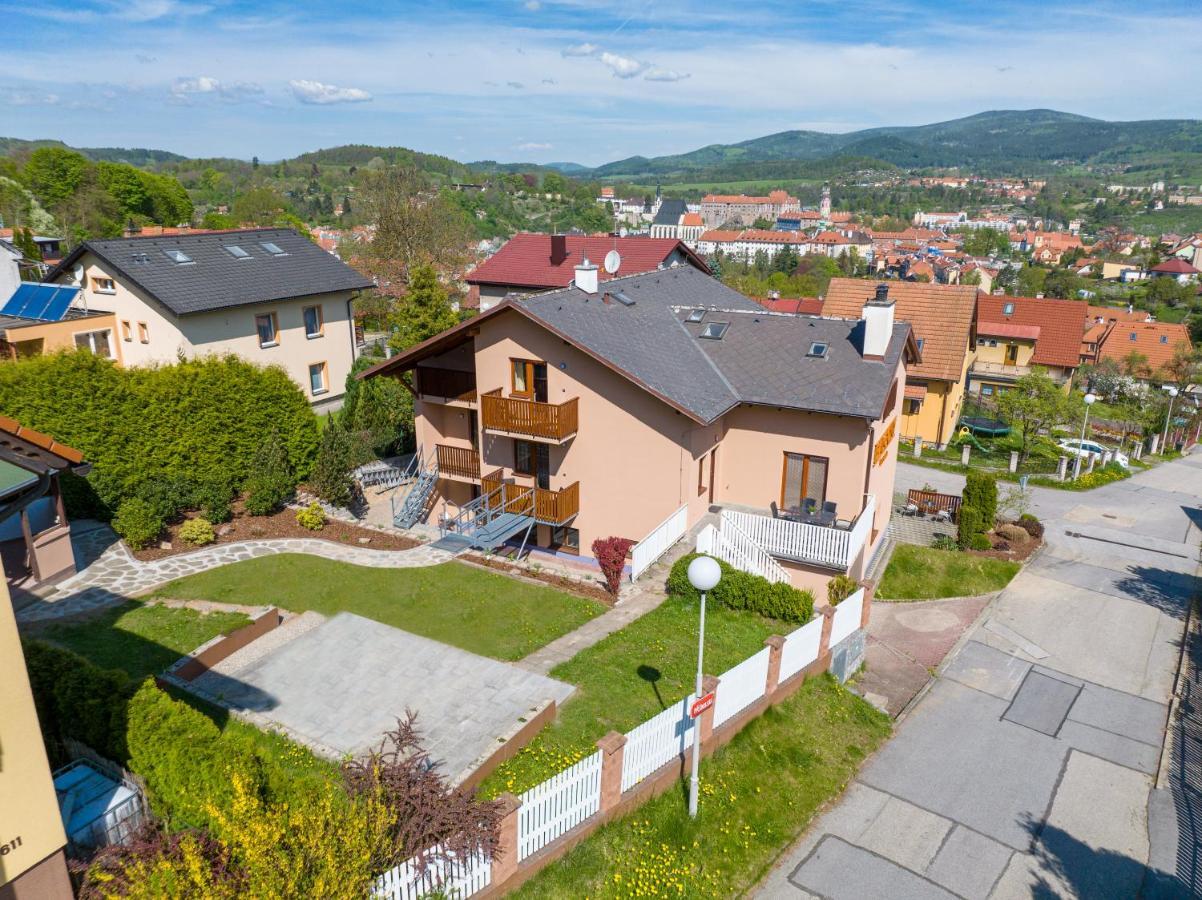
(586, 276)
(878, 323)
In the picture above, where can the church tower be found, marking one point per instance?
(824, 209)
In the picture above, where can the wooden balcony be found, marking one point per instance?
(554, 422)
(446, 385)
(548, 507)
(458, 462)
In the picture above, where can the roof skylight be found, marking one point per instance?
(1008, 309)
(179, 257)
(818, 348)
(237, 252)
(696, 315)
(713, 331)
(272, 248)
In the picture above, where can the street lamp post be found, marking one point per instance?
(1090, 400)
(704, 575)
(1172, 391)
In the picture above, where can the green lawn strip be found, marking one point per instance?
(486, 613)
(141, 639)
(757, 794)
(629, 677)
(924, 573)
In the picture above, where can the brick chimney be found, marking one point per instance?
(586, 276)
(559, 248)
(878, 323)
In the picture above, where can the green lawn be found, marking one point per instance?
(141, 639)
(757, 794)
(924, 573)
(480, 611)
(629, 677)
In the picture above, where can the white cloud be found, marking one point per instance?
(18, 97)
(655, 73)
(533, 5)
(183, 88)
(582, 50)
(150, 10)
(533, 145)
(622, 66)
(315, 92)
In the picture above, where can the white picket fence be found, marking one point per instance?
(847, 617)
(657, 742)
(450, 878)
(559, 804)
(832, 547)
(801, 648)
(733, 546)
(741, 685)
(656, 544)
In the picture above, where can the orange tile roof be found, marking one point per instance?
(44, 441)
(1115, 314)
(717, 234)
(691, 219)
(808, 306)
(1058, 324)
(940, 314)
(1158, 341)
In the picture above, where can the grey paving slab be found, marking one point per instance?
(341, 685)
(955, 756)
(1154, 585)
(1133, 717)
(987, 669)
(969, 864)
(1113, 747)
(1042, 703)
(905, 834)
(841, 871)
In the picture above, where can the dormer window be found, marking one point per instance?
(920, 342)
(179, 257)
(818, 349)
(236, 252)
(273, 249)
(714, 331)
(696, 315)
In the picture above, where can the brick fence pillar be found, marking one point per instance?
(613, 751)
(866, 613)
(775, 644)
(706, 722)
(505, 861)
(828, 621)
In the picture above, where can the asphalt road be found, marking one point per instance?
(1030, 767)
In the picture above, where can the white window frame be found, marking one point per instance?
(321, 322)
(91, 345)
(325, 379)
(275, 330)
(96, 289)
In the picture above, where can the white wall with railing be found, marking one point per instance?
(656, 544)
(730, 544)
(741, 686)
(443, 876)
(847, 617)
(657, 742)
(801, 648)
(559, 804)
(835, 548)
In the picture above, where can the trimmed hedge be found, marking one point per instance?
(980, 492)
(742, 590)
(158, 432)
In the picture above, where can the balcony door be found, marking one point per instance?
(1012, 354)
(529, 380)
(530, 458)
(804, 478)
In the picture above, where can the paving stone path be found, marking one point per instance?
(116, 574)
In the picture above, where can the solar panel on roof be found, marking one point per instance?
(44, 302)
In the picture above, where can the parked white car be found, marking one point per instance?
(1086, 449)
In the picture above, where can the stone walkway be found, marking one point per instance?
(117, 575)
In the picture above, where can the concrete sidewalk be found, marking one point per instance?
(1028, 767)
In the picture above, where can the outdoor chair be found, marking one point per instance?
(910, 509)
(843, 524)
(943, 515)
(773, 509)
(829, 507)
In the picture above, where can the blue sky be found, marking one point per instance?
(547, 80)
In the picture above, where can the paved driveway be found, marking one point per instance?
(1028, 768)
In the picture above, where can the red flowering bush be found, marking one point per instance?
(611, 553)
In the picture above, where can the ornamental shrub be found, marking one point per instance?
(979, 542)
(742, 590)
(271, 481)
(968, 525)
(610, 554)
(980, 491)
(198, 420)
(1014, 534)
(312, 517)
(138, 522)
(168, 496)
(213, 501)
(331, 476)
(197, 532)
(840, 588)
(1031, 525)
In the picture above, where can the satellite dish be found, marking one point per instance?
(622, 232)
(613, 261)
(77, 273)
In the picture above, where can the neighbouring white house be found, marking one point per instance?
(268, 295)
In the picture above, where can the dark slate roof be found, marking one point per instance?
(762, 357)
(670, 212)
(215, 279)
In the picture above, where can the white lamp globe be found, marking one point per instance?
(704, 573)
(1172, 392)
(1090, 399)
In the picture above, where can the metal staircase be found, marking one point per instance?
(421, 475)
(490, 520)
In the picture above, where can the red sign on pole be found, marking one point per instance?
(701, 704)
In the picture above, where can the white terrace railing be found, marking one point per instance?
(656, 544)
(732, 545)
(833, 548)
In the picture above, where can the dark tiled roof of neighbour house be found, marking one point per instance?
(640, 325)
(670, 212)
(210, 276)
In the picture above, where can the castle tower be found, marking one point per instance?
(824, 209)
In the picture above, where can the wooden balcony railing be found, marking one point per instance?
(550, 421)
(549, 507)
(461, 462)
(449, 384)
(556, 507)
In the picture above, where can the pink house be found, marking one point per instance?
(637, 406)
